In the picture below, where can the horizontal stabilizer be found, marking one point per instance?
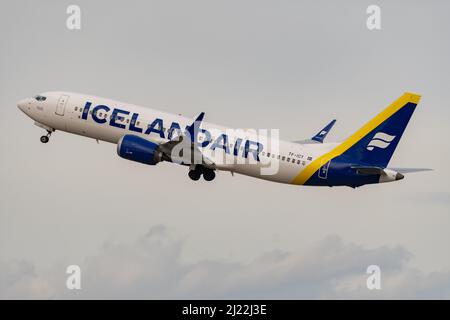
(410, 170)
(385, 174)
(368, 170)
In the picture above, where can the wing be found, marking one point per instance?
(184, 148)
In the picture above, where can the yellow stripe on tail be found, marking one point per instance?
(307, 172)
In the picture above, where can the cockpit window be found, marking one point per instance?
(40, 98)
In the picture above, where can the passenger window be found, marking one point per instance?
(268, 154)
(293, 160)
(288, 159)
(283, 158)
(298, 161)
(76, 108)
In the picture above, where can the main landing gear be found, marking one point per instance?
(194, 174)
(208, 174)
(45, 139)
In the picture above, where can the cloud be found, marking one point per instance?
(151, 268)
(19, 280)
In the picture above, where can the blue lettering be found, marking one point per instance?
(86, 110)
(115, 116)
(207, 138)
(94, 113)
(221, 142)
(152, 127)
(174, 129)
(237, 145)
(256, 152)
(133, 126)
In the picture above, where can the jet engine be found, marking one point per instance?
(138, 149)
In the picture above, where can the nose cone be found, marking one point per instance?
(22, 104)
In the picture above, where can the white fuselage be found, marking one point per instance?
(67, 111)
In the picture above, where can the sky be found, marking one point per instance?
(150, 232)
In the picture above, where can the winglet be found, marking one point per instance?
(320, 136)
(195, 126)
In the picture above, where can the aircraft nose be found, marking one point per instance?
(22, 104)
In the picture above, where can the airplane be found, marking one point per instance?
(150, 136)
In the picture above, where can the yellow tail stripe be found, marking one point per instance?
(306, 173)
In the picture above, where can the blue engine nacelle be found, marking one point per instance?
(138, 149)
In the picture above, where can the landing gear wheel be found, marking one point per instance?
(194, 174)
(209, 175)
(45, 139)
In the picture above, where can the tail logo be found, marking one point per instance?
(380, 140)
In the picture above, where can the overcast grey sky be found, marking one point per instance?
(150, 232)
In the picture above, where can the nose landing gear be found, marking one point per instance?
(45, 139)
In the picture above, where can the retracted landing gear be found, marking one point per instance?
(208, 174)
(45, 139)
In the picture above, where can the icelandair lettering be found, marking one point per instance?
(221, 142)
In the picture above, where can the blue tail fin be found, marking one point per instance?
(375, 143)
